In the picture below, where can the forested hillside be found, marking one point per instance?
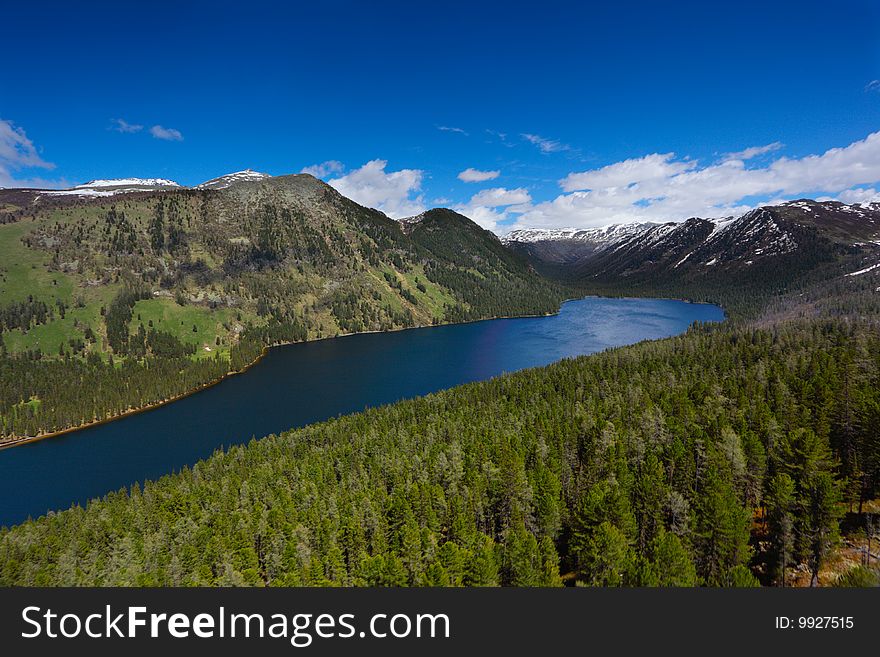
(720, 457)
(115, 302)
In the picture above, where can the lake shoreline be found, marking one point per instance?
(317, 381)
(25, 440)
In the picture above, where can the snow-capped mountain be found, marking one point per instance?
(112, 187)
(604, 235)
(115, 186)
(531, 235)
(566, 245)
(128, 182)
(248, 175)
(765, 236)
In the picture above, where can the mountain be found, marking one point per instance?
(258, 247)
(202, 279)
(551, 251)
(765, 249)
(248, 175)
(115, 186)
(567, 245)
(462, 251)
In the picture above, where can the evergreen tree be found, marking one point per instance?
(606, 559)
(779, 502)
(808, 461)
(157, 227)
(673, 563)
(722, 523)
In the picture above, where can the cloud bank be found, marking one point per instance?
(395, 193)
(664, 187)
(17, 154)
(491, 207)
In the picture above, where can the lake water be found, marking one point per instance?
(299, 384)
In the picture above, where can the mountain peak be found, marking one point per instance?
(229, 179)
(437, 218)
(128, 182)
(799, 230)
(113, 186)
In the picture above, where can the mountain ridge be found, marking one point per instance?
(185, 285)
(759, 233)
(734, 261)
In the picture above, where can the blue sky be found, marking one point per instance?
(588, 114)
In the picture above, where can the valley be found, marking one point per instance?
(741, 262)
(736, 454)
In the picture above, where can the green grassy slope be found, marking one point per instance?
(207, 278)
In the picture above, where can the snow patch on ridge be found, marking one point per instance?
(605, 236)
(864, 271)
(114, 186)
(248, 175)
(128, 182)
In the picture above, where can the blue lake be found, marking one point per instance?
(299, 384)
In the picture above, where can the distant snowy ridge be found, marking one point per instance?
(762, 233)
(114, 186)
(541, 234)
(606, 234)
(128, 182)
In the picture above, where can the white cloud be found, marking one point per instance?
(394, 193)
(544, 144)
(873, 85)
(447, 128)
(18, 153)
(661, 187)
(484, 217)
(499, 196)
(856, 195)
(324, 168)
(754, 151)
(475, 175)
(489, 207)
(121, 125)
(168, 134)
(628, 172)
